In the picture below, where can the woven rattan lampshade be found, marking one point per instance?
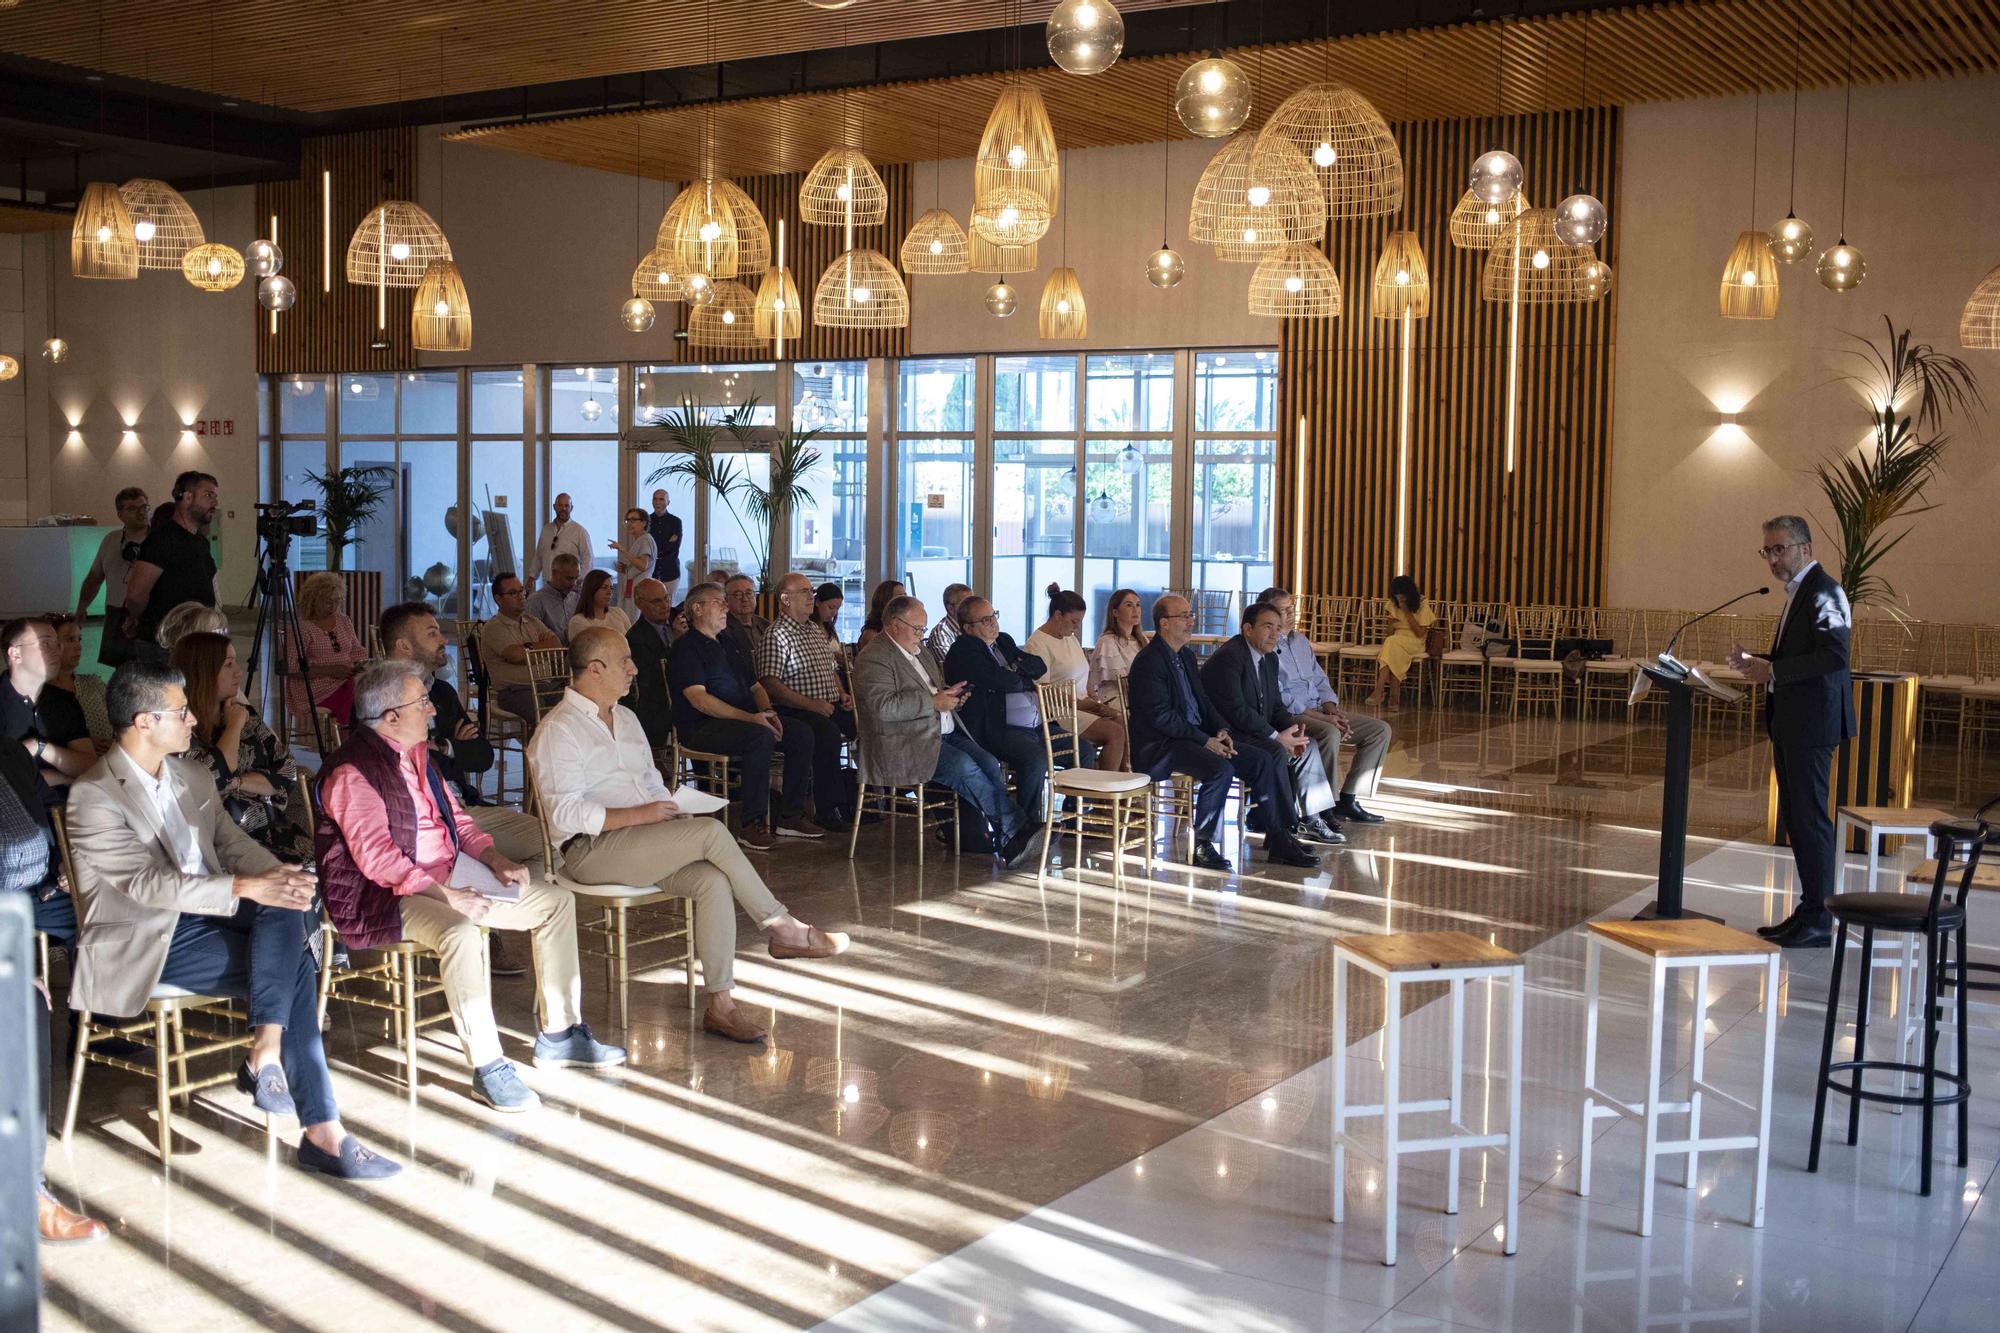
(9, 368)
(861, 290)
(753, 235)
(1255, 196)
(778, 306)
(1750, 279)
(936, 246)
(1063, 314)
(1349, 145)
(1402, 279)
(163, 223)
(1295, 282)
(1979, 326)
(1018, 148)
(101, 244)
(1475, 225)
(729, 321)
(658, 278)
(213, 267)
(441, 312)
(1011, 215)
(395, 245)
(1530, 263)
(1001, 260)
(843, 178)
(704, 235)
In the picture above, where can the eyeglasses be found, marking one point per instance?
(909, 624)
(1179, 615)
(984, 620)
(1772, 552)
(397, 708)
(183, 712)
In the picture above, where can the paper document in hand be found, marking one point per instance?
(471, 873)
(695, 801)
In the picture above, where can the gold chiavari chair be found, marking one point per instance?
(1532, 672)
(1607, 681)
(1979, 719)
(548, 678)
(1128, 795)
(1359, 657)
(1947, 665)
(912, 800)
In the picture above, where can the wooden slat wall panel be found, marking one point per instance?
(1475, 532)
(808, 252)
(330, 330)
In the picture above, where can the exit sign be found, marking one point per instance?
(216, 426)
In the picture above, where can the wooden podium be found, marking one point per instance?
(1680, 683)
(1876, 767)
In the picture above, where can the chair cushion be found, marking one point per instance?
(1892, 911)
(1098, 781)
(627, 892)
(1458, 655)
(163, 991)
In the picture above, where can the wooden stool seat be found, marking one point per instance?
(1923, 874)
(1425, 951)
(1689, 937)
(1894, 816)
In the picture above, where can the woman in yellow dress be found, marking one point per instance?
(1411, 615)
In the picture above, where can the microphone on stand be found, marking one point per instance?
(1667, 653)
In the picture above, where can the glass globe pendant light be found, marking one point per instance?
(637, 314)
(1581, 219)
(55, 351)
(1841, 267)
(1213, 98)
(1000, 300)
(1496, 177)
(9, 367)
(1085, 36)
(263, 258)
(1791, 239)
(277, 293)
(1165, 268)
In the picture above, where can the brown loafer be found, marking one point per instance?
(819, 944)
(62, 1226)
(736, 1029)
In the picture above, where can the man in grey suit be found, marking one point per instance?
(169, 892)
(903, 712)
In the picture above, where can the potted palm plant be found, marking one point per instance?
(349, 497)
(707, 444)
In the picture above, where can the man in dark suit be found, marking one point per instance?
(1000, 711)
(1809, 711)
(649, 639)
(1241, 677)
(666, 533)
(1175, 729)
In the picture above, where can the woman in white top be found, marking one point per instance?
(1111, 658)
(594, 608)
(635, 559)
(1056, 643)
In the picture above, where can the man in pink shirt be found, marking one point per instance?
(394, 849)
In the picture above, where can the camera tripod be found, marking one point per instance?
(277, 612)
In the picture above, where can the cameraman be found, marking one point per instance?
(110, 571)
(174, 564)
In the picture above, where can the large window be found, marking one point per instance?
(1235, 452)
(1035, 490)
(936, 413)
(830, 536)
(1128, 477)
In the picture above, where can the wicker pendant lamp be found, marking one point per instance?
(1018, 148)
(1750, 279)
(843, 187)
(163, 223)
(1295, 281)
(441, 315)
(1402, 282)
(719, 231)
(936, 246)
(1001, 260)
(395, 245)
(1979, 326)
(1063, 314)
(861, 290)
(1255, 196)
(778, 306)
(101, 243)
(1011, 215)
(656, 278)
(1349, 146)
(212, 267)
(729, 321)
(753, 234)
(1533, 264)
(1477, 225)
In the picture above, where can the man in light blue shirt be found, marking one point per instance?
(1310, 698)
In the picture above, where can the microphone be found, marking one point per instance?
(1668, 651)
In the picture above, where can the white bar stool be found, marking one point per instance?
(1666, 946)
(1402, 960)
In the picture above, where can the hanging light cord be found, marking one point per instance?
(1798, 42)
(1846, 121)
(1756, 142)
(440, 137)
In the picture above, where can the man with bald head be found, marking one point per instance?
(560, 534)
(795, 665)
(650, 638)
(555, 601)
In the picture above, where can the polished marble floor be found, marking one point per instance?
(1071, 1105)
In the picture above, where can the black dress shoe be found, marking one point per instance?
(1207, 858)
(1777, 928)
(1314, 829)
(1254, 822)
(1022, 845)
(1807, 933)
(1290, 853)
(1350, 810)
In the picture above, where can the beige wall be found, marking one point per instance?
(1687, 490)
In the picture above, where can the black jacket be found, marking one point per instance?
(984, 711)
(1247, 696)
(649, 697)
(666, 534)
(461, 758)
(1155, 719)
(1810, 701)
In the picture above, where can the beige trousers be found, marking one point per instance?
(548, 914)
(696, 858)
(516, 836)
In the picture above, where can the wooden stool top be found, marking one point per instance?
(1986, 877)
(1902, 816)
(1424, 951)
(1684, 938)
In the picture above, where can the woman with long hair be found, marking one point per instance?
(252, 769)
(1410, 614)
(1057, 641)
(1111, 656)
(333, 650)
(888, 590)
(596, 605)
(827, 601)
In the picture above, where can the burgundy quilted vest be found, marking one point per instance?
(368, 915)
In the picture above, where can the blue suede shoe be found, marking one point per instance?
(500, 1087)
(575, 1047)
(354, 1162)
(267, 1088)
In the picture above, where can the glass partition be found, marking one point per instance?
(1034, 528)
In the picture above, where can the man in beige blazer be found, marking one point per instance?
(170, 893)
(904, 714)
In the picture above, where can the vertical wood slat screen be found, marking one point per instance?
(330, 330)
(808, 253)
(1475, 532)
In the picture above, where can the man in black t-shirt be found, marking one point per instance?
(175, 564)
(31, 654)
(720, 707)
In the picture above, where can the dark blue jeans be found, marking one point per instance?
(1020, 748)
(975, 775)
(259, 955)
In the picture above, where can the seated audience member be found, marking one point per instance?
(800, 670)
(1000, 710)
(217, 914)
(185, 619)
(392, 843)
(615, 823)
(28, 862)
(1241, 678)
(650, 639)
(746, 629)
(1310, 698)
(636, 551)
(1058, 644)
(719, 707)
(1410, 615)
(333, 650)
(909, 735)
(249, 765)
(504, 640)
(72, 700)
(555, 601)
(1175, 729)
(946, 631)
(885, 592)
(597, 605)
(57, 740)
(1111, 656)
(827, 601)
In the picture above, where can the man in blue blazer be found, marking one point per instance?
(1809, 711)
(1176, 729)
(1000, 712)
(1241, 677)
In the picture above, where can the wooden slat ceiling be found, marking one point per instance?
(1663, 52)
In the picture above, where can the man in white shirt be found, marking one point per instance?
(559, 534)
(614, 822)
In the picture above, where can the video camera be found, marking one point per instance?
(278, 523)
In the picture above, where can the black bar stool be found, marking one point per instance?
(1941, 923)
